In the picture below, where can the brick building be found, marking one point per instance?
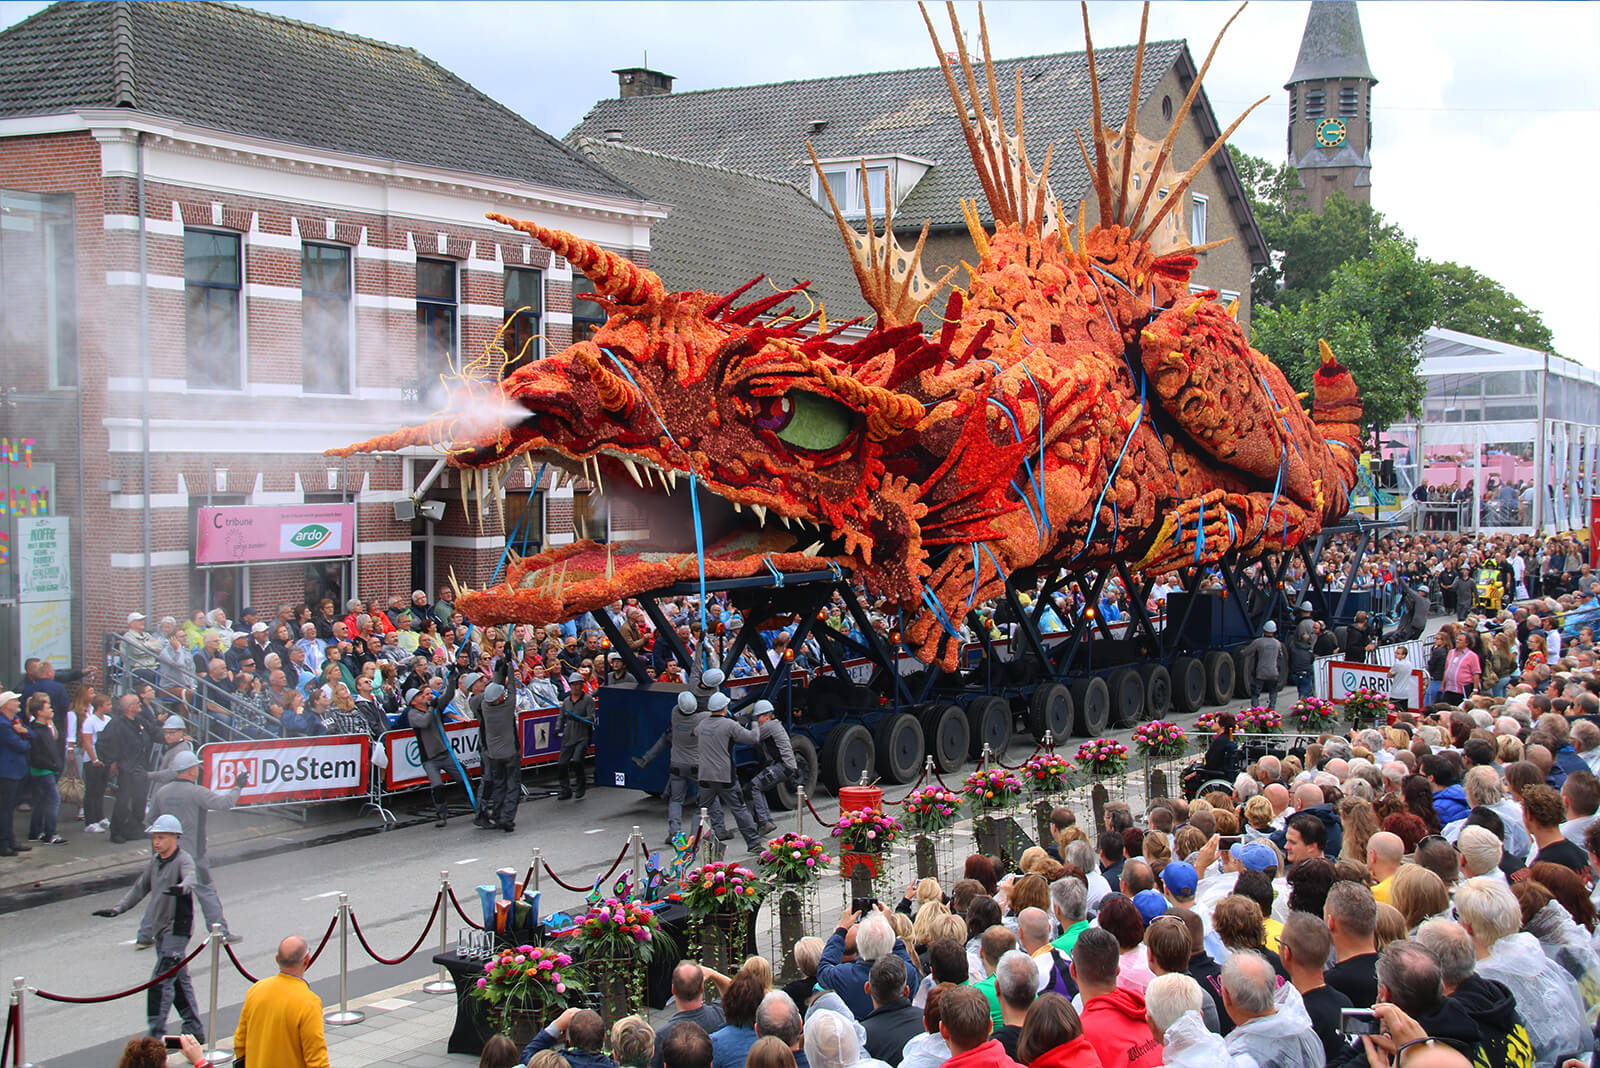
(231, 241)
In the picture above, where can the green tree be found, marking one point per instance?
(1476, 304)
(1372, 314)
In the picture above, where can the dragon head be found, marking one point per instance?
(744, 442)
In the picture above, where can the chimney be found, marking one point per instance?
(642, 81)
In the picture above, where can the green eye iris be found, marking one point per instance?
(807, 420)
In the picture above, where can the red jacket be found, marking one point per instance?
(990, 1055)
(1079, 1053)
(1115, 1026)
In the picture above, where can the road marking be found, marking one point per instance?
(597, 830)
(319, 897)
(469, 860)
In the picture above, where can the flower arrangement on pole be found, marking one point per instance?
(865, 836)
(930, 809)
(1103, 756)
(1313, 715)
(1048, 773)
(1160, 740)
(793, 858)
(525, 983)
(721, 896)
(987, 791)
(1259, 720)
(1367, 705)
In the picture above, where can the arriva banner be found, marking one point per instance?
(289, 532)
(1346, 678)
(290, 769)
(405, 756)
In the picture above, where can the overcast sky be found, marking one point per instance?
(1485, 120)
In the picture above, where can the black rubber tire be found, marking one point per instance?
(990, 720)
(899, 740)
(1092, 701)
(1051, 708)
(1188, 684)
(1157, 690)
(1127, 697)
(1241, 675)
(948, 734)
(1219, 677)
(783, 796)
(849, 751)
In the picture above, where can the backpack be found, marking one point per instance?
(1060, 981)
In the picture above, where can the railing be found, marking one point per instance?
(208, 710)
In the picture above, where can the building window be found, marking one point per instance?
(436, 325)
(587, 316)
(849, 189)
(524, 308)
(1316, 104)
(1197, 220)
(38, 274)
(213, 317)
(1166, 108)
(325, 286)
(1347, 103)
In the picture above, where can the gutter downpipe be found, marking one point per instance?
(144, 364)
(1541, 470)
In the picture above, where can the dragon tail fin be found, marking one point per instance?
(1336, 411)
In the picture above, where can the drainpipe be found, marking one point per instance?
(1541, 466)
(144, 363)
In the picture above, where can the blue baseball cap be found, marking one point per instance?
(1180, 878)
(1255, 857)
(1150, 903)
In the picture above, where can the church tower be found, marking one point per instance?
(1330, 106)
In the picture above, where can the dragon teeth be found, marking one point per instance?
(761, 513)
(633, 471)
(812, 550)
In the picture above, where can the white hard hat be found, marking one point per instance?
(718, 702)
(184, 761)
(1271, 627)
(687, 702)
(167, 824)
(1305, 606)
(761, 708)
(173, 723)
(713, 677)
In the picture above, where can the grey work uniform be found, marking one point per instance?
(778, 765)
(189, 802)
(718, 735)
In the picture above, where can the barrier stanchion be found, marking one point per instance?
(346, 1015)
(713, 844)
(636, 843)
(985, 757)
(799, 810)
(534, 865)
(18, 988)
(215, 1055)
(443, 984)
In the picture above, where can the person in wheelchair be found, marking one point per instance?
(1221, 762)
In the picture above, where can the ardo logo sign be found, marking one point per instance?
(308, 537)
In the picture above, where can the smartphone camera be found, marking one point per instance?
(173, 1042)
(1360, 1022)
(1229, 841)
(863, 905)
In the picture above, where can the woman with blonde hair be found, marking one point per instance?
(1509, 748)
(904, 931)
(1391, 925)
(1360, 824)
(1419, 894)
(1157, 853)
(1188, 841)
(1258, 818)
(922, 926)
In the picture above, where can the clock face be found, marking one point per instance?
(1330, 133)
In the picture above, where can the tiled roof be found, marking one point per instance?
(231, 68)
(725, 227)
(763, 129)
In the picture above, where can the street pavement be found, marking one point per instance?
(278, 877)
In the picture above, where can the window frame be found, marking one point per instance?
(1199, 217)
(306, 295)
(426, 308)
(851, 203)
(515, 313)
(242, 315)
(585, 313)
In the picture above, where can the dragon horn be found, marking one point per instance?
(616, 394)
(613, 276)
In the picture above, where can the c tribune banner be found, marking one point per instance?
(284, 770)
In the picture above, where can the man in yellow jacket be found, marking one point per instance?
(280, 1025)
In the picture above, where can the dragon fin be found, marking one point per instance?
(969, 488)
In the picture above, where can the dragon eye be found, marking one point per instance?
(807, 420)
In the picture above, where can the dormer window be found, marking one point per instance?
(852, 186)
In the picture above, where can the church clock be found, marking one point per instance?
(1330, 133)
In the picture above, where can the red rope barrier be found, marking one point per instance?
(585, 889)
(237, 966)
(818, 815)
(468, 920)
(147, 984)
(1018, 766)
(437, 901)
(913, 789)
(333, 922)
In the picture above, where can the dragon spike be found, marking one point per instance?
(1131, 127)
(1176, 193)
(613, 276)
(616, 394)
(1102, 166)
(984, 178)
(1181, 114)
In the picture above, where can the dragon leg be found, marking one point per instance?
(969, 575)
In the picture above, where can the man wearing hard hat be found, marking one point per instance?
(777, 763)
(188, 802)
(169, 880)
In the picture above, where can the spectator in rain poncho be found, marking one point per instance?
(832, 1042)
(1546, 996)
(1564, 942)
(1172, 1004)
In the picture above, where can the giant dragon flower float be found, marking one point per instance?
(1077, 405)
